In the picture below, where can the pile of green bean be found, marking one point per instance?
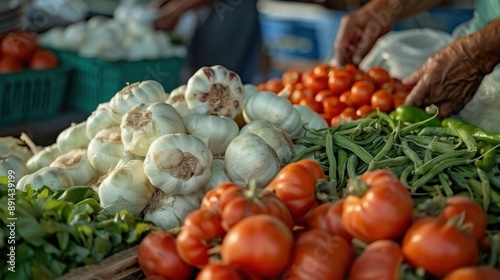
(430, 161)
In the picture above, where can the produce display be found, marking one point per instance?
(236, 181)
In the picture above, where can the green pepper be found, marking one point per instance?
(78, 193)
(411, 114)
(476, 132)
(489, 156)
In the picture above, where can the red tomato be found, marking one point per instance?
(211, 200)
(300, 93)
(361, 93)
(332, 106)
(398, 99)
(382, 100)
(274, 85)
(328, 217)
(291, 77)
(379, 75)
(219, 271)
(346, 98)
(474, 273)
(349, 113)
(19, 45)
(157, 255)
(364, 111)
(262, 87)
(438, 246)
(339, 83)
(9, 64)
(383, 211)
(322, 95)
(322, 70)
(318, 255)
(312, 104)
(335, 121)
(261, 244)
(380, 260)
(314, 83)
(43, 59)
(473, 214)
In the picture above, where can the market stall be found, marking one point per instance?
(313, 172)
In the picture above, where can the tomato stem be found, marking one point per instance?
(432, 207)
(458, 222)
(327, 191)
(356, 187)
(253, 189)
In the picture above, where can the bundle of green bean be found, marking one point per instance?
(428, 160)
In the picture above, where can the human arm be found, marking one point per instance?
(169, 11)
(450, 78)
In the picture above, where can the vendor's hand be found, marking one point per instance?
(168, 14)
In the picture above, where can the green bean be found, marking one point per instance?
(316, 132)
(416, 125)
(398, 170)
(387, 147)
(332, 171)
(357, 131)
(495, 181)
(469, 141)
(362, 168)
(385, 117)
(437, 131)
(427, 155)
(315, 141)
(359, 151)
(466, 171)
(485, 184)
(352, 163)
(397, 161)
(342, 165)
(352, 124)
(378, 140)
(443, 179)
(321, 157)
(411, 153)
(387, 130)
(372, 136)
(497, 159)
(306, 152)
(434, 145)
(438, 168)
(404, 176)
(427, 166)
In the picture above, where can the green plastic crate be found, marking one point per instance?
(95, 81)
(31, 94)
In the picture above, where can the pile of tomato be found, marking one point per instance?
(20, 50)
(288, 230)
(340, 93)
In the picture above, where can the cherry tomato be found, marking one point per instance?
(332, 106)
(300, 93)
(364, 111)
(474, 214)
(9, 64)
(361, 93)
(349, 113)
(339, 83)
(274, 85)
(312, 104)
(314, 83)
(346, 98)
(328, 217)
(322, 95)
(474, 273)
(383, 211)
(382, 100)
(380, 260)
(261, 244)
(322, 70)
(262, 87)
(19, 45)
(379, 75)
(398, 99)
(157, 255)
(291, 77)
(43, 59)
(335, 121)
(438, 246)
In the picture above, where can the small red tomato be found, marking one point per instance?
(312, 104)
(9, 64)
(314, 83)
(275, 85)
(339, 83)
(19, 45)
(332, 106)
(322, 70)
(322, 95)
(361, 92)
(346, 98)
(300, 93)
(382, 100)
(398, 99)
(262, 87)
(349, 113)
(379, 75)
(43, 59)
(364, 111)
(291, 77)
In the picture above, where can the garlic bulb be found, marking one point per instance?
(169, 211)
(249, 90)
(248, 156)
(219, 175)
(277, 110)
(73, 137)
(145, 123)
(177, 100)
(274, 136)
(134, 94)
(106, 149)
(178, 164)
(215, 91)
(99, 120)
(43, 158)
(126, 187)
(217, 132)
(77, 164)
(14, 146)
(55, 178)
(310, 119)
(14, 164)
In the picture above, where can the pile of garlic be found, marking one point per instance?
(156, 154)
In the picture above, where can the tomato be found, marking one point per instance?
(335, 121)
(348, 114)
(300, 93)
(382, 100)
(239, 203)
(382, 211)
(328, 217)
(361, 93)
(364, 111)
(295, 184)
(274, 85)
(380, 260)
(332, 106)
(312, 104)
(474, 273)
(9, 64)
(346, 98)
(379, 75)
(314, 83)
(473, 214)
(322, 95)
(219, 271)
(157, 255)
(211, 200)
(261, 244)
(319, 255)
(19, 45)
(201, 230)
(291, 77)
(339, 82)
(398, 99)
(262, 87)
(43, 59)
(322, 70)
(438, 246)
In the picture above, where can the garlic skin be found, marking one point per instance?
(248, 91)
(215, 91)
(73, 137)
(219, 175)
(106, 149)
(169, 211)
(310, 119)
(146, 92)
(248, 156)
(11, 163)
(178, 101)
(99, 120)
(126, 187)
(272, 108)
(77, 164)
(274, 136)
(14, 146)
(216, 132)
(55, 178)
(178, 164)
(43, 158)
(145, 123)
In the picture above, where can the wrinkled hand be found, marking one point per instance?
(168, 14)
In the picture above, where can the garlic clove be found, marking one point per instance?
(177, 99)
(219, 175)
